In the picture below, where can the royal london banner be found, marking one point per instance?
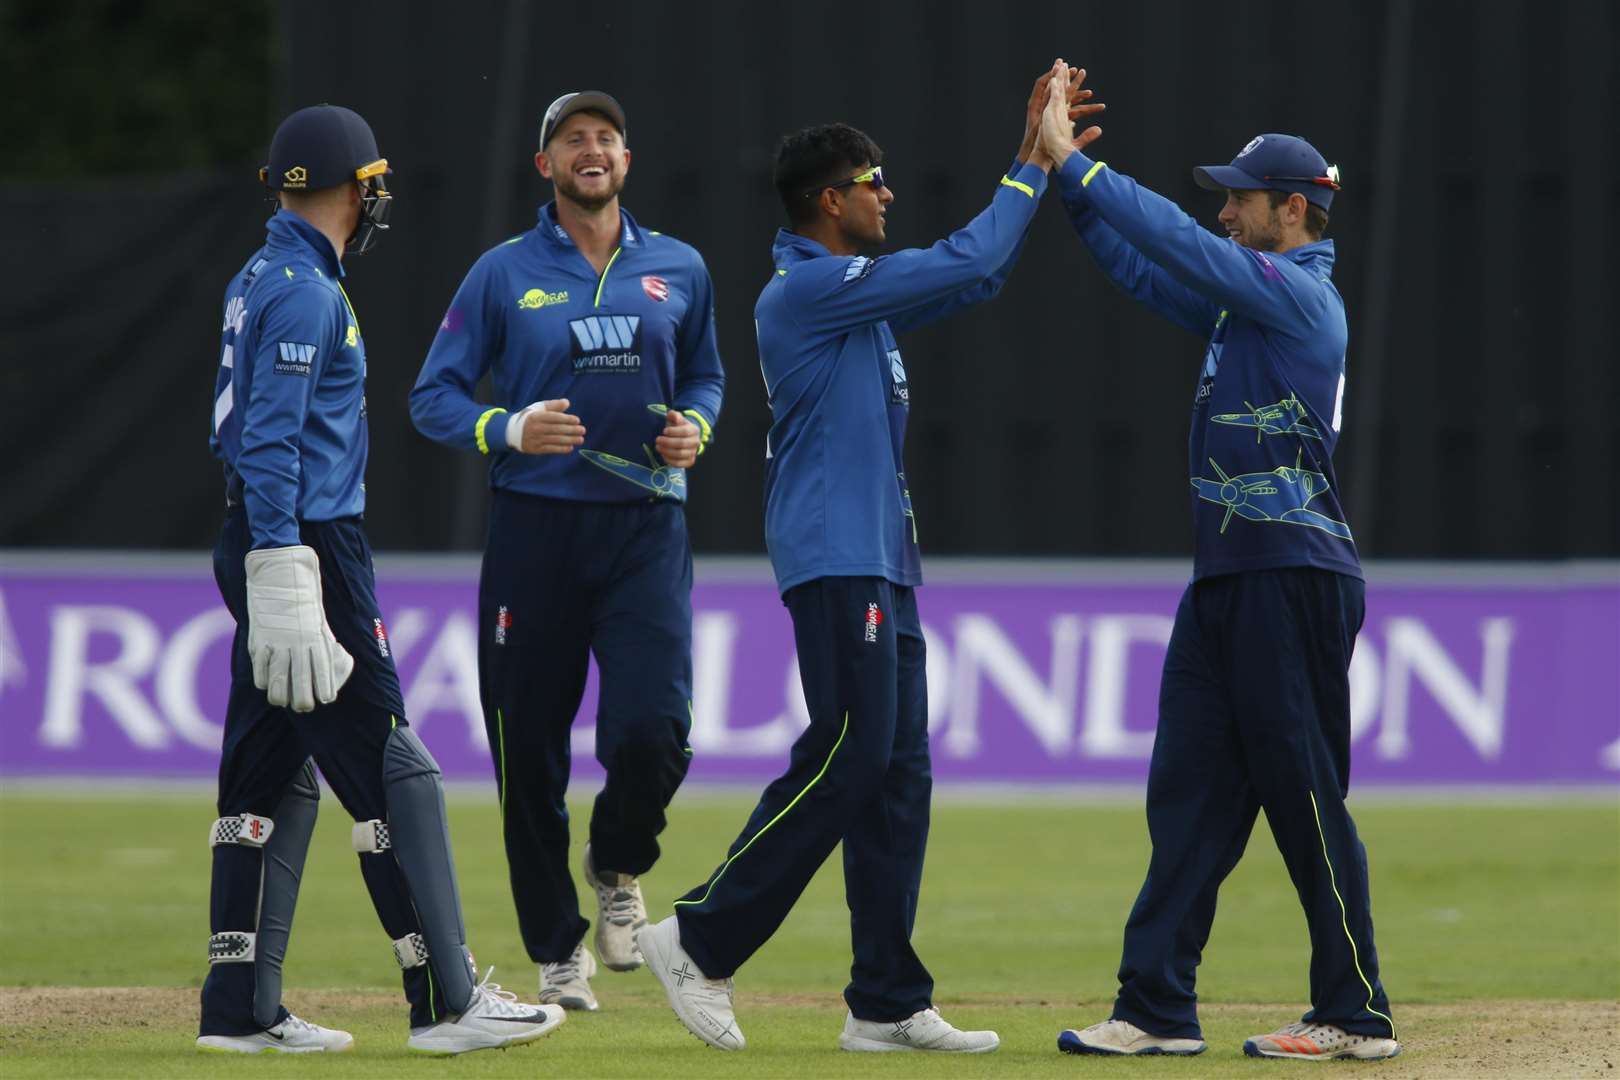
(1037, 673)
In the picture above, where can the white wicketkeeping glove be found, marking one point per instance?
(296, 660)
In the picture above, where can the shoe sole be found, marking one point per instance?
(1251, 1049)
(1069, 1042)
(857, 1044)
(500, 1043)
(574, 1004)
(658, 963)
(260, 1048)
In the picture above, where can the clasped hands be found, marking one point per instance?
(1055, 103)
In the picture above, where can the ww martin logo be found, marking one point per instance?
(607, 344)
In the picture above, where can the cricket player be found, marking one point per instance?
(1254, 705)
(311, 672)
(599, 335)
(843, 543)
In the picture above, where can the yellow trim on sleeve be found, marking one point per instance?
(478, 429)
(1092, 172)
(706, 432)
(1025, 188)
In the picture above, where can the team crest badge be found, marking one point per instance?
(656, 288)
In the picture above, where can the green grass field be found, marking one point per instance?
(1496, 922)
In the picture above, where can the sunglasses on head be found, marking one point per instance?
(872, 176)
(1331, 180)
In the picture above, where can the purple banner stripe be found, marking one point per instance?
(108, 672)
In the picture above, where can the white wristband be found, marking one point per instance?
(514, 429)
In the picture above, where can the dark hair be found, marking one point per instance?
(817, 157)
(1316, 218)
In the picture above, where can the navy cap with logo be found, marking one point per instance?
(580, 101)
(1274, 162)
(321, 147)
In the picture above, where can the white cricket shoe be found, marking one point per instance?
(493, 1018)
(620, 915)
(1319, 1042)
(567, 982)
(703, 1004)
(291, 1036)
(1124, 1037)
(925, 1030)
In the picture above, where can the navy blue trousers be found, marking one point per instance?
(265, 748)
(563, 580)
(859, 774)
(1254, 714)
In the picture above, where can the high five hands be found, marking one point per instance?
(1055, 139)
(1036, 109)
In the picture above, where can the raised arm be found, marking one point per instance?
(1078, 105)
(1224, 273)
(828, 294)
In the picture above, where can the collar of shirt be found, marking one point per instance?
(630, 234)
(287, 229)
(789, 247)
(1318, 255)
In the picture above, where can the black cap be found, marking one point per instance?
(580, 101)
(1276, 163)
(321, 147)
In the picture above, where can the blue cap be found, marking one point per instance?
(1274, 162)
(321, 147)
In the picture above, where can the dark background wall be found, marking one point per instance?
(1476, 237)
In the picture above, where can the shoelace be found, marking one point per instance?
(499, 1001)
(563, 971)
(618, 903)
(294, 1022)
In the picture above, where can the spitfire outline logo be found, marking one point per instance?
(655, 287)
(1252, 145)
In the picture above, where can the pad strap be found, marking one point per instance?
(370, 837)
(249, 829)
(232, 947)
(411, 951)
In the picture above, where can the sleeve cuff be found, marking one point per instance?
(705, 430)
(489, 433)
(1076, 173)
(1029, 180)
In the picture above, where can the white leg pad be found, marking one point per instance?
(250, 830)
(370, 837)
(232, 947)
(411, 951)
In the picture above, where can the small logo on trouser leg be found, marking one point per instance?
(503, 622)
(380, 632)
(874, 618)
